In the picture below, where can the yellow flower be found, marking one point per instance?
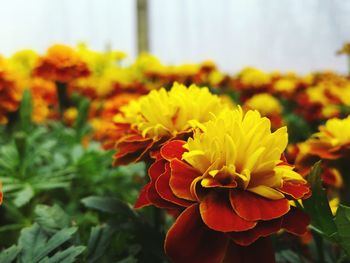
(285, 85)
(335, 132)
(162, 113)
(241, 148)
(265, 103)
(255, 78)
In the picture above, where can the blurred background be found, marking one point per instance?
(287, 34)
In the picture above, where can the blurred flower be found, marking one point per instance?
(268, 106)
(230, 185)
(148, 122)
(70, 115)
(10, 92)
(62, 64)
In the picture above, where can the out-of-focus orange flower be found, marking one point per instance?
(10, 92)
(144, 124)
(1, 194)
(44, 99)
(62, 64)
(231, 187)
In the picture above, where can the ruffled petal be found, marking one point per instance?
(182, 176)
(173, 150)
(218, 214)
(189, 240)
(143, 199)
(296, 222)
(262, 229)
(164, 190)
(295, 190)
(253, 207)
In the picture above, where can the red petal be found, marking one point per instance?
(182, 176)
(129, 152)
(296, 222)
(262, 229)
(253, 207)
(189, 240)
(296, 190)
(143, 200)
(154, 172)
(173, 149)
(218, 214)
(164, 190)
(259, 251)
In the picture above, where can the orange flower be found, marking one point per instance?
(62, 64)
(10, 93)
(231, 188)
(144, 124)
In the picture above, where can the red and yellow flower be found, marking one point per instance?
(10, 92)
(148, 122)
(62, 64)
(230, 187)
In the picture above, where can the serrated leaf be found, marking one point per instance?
(8, 255)
(54, 242)
(342, 221)
(99, 241)
(32, 240)
(51, 219)
(317, 205)
(109, 205)
(66, 256)
(23, 196)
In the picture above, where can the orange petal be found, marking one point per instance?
(182, 176)
(154, 172)
(259, 251)
(172, 150)
(296, 222)
(262, 229)
(129, 152)
(143, 199)
(218, 214)
(189, 240)
(253, 207)
(164, 190)
(295, 190)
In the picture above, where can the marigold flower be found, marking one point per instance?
(148, 122)
(332, 141)
(268, 106)
(230, 185)
(10, 92)
(62, 64)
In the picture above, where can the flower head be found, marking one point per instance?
(160, 116)
(61, 63)
(229, 178)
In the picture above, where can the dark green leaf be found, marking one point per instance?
(109, 205)
(51, 219)
(342, 220)
(8, 255)
(66, 256)
(317, 205)
(100, 240)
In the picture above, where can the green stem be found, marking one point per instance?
(62, 95)
(319, 246)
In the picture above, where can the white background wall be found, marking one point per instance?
(299, 35)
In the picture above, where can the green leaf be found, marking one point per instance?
(36, 245)
(54, 242)
(23, 196)
(25, 111)
(99, 241)
(109, 205)
(8, 255)
(32, 240)
(317, 205)
(342, 220)
(66, 256)
(51, 219)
